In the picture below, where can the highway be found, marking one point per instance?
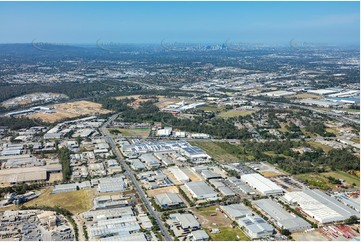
(130, 174)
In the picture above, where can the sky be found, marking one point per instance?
(184, 22)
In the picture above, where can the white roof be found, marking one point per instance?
(323, 208)
(262, 184)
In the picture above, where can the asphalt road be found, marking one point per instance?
(130, 174)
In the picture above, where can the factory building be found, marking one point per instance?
(255, 226)
(151, 162)
(200, 190)
(166, 200)
(236, 211)
(321, 207)
(280, 217)
(262, 184)
(179, 174)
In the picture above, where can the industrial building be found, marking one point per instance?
(236, 211)
(262, 184)
(200, 190)
(110, 184)
(166, 200)
(321, 207)
(185, 220)
(255, 226)
(179, 174)
(28, 174)
(65, 188)
(280, 217)
(150, 161)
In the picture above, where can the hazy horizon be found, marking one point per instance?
(269, 23)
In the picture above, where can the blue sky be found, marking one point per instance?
(151, 22)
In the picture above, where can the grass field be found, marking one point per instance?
(306, 133)
(219, 153)
(320, 179)
(315, 180)
(235, 113)
(210, 218)
(333, 131)
(211, 108)
(343, 175)
(325, 148)
(229, 234)
(305, 95)
(75, 202)
(135, 132)
(356, 140)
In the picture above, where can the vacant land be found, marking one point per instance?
(343, 175)
(210, 219)
(170, 189)
(235, 113)
(211, 108)
(305, 95)
(214, 150)
(138, 99)
(271, 174)
(70, 110)
(135, 132)
(315, 180)
(356, 140)
(75, 202)
(315, 144)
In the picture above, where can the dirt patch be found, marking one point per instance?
(191, 174)
(70, 110)
(170, 189)
(270, 174)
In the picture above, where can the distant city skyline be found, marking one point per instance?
(333, 23)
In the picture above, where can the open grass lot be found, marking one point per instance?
(343, 175)
(320, 179)
(211, 108)
(356, 140)
(135, 132)
(229, 234)
(215, 151)
(75, 202)
(333, 131)
(210, 218)
(315, 180)
(306, 133)
(315, 144)
(235, 113)
(305, 95)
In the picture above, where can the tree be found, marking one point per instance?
(351, 220)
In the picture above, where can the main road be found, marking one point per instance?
(130, 174)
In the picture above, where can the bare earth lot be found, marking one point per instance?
(170, 189)
(70, 110)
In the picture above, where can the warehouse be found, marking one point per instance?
(166, 200)
(236, 211)
(262, 184)
(200, 190)
(280, 217)
(255, 226)
(28, 174)
(111, 184)
(179, 174)
(186, 221)
(150, 161)
(65, 188)
(207, 174)
(321, 207)
(194, 153)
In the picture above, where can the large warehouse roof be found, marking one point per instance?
(200, 189)
(282, 218)
(262, 184)
(317, 204)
